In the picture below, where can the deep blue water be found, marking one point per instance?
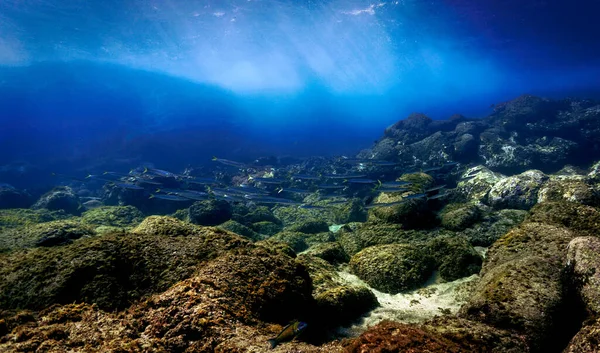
(88, 85)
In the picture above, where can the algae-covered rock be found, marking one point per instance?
(230, 303)
(266, 227)
(310, 227)
(60, 198)
(295, 215)
(241, 229)
(573, 189)
(581, 219)
(521, 286)
(52, 233)
(295, 240)
(210, 212)
(399, 337)
(111, 271)
(522, 295)
(477, 183)
(492, 226)
(337, 303)
(319, 238)
(459, 216)
(529, 239)
(331, 252)
(517, 192)
(586, 340)
(247, 216)
(412, 214)
(392, 268)
(594, 173)
(113, 216)
(583, 262)
(476, 336)
(454, 257)
(354, 237)
(165, 226)
(17, 217)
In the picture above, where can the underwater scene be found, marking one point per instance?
(300, 176)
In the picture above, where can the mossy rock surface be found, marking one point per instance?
(60, 198)
(256, 214)
(267, 228)
(331, 252)
(522, 295)
(493, 226)
(113, 216)
(337, 303)
(241, 229)
(454, 257)
(166, 226)
(111, 271)
(392, 268)
(16, 217)
(518, 191)
(210, 212)
(296, 240)
(477, 188)
(412, 214)
(53, 233)
(583, 261)
(310, 227)
(319, 238)
(459, 216)
(354, 237)
(573, 189)
(584, 220)
(530, 239)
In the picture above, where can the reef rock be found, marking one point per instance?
(583, 261)
(337, 303)
(521, 286)
(459, 216)
(492, 226)
(332, 252)
(210, 212)
(477, 186)
(60, 198)
(166, 226)
(45, 234)
(113, 216)
(392, 268)
(517, 192)
(110, 271)
(229, 305)
(570, 188)
(454, 257)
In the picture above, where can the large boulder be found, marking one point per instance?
(337, 302)
(110, 271)
(583, 262)
(477, 184)
(210, 212)
(60, 198)
(459, 216)
(393, 268)
(454, 257)
(517, 192)
(113, 216)
(59, 232)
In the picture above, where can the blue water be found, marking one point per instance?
(88, 85)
